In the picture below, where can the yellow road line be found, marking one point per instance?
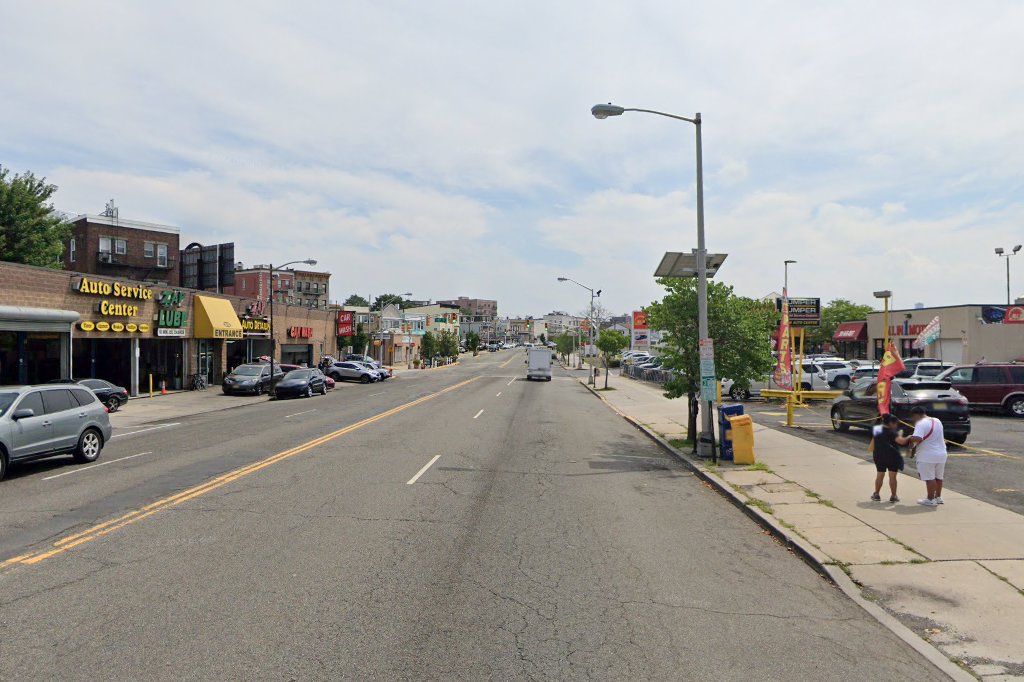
(101, 529)
(504, 364)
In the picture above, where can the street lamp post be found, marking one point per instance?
(886, 295)
(1002, 254)
(590, 334)
(602, 111)
(273, 339)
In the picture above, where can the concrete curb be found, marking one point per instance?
(807, 552)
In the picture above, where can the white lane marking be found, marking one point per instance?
(423, 470)
(499, 395)
(373, 394)
(510, 383)
(75, 471)
(152, 428)
(298, 413)
(478, 414)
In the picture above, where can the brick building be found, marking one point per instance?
(295, 287)
(129, 249)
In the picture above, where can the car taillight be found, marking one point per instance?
(106, 409)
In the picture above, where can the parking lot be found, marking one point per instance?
(990, 466)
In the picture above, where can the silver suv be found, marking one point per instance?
(42, 421)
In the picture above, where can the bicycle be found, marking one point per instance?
(198, 382)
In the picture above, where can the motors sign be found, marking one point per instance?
(803, 312)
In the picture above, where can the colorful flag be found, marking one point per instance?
(784, 366)
(891, 365)
(929, 334)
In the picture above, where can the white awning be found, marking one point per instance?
(23, 319)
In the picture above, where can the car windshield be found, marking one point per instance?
(298, 375)
(930, 370)
(6, 400)
(248, 370)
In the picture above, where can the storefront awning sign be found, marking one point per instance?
(215, 318)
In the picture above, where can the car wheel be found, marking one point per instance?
(112, 404)
(365, 379)
(737, 394)
(958, 438)
(843, 383)
(323, 390)
(837, 422)
(1015, 406)
(3, 463)
(89, 445)
(309, 392)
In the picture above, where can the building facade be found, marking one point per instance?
(967, 333)
(560, 322)
(109, 246)
(439, 317)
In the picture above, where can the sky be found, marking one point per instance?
(447, 148)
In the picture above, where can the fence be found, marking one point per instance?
(657, 376)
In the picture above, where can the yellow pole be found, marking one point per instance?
(800, 367)
(151, 385)
(885, 342)
(789, 410)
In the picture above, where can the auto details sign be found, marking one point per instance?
(803, 312)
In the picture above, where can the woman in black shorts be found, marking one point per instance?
(887, 456)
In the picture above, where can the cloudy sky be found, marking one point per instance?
(446, 148)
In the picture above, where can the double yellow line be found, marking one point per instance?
(101, 529)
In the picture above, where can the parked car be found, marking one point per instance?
(813, 379)
(351, 371)
(930, 370)
(55, 419)
(838, 373)
(358, 357)
(859, 406)
(377, 372)
(251, 378)
(302, 383)
(330, 382)
(999, 386)
(910, 365)
(384, 372)
(862, 374)
(109, 394)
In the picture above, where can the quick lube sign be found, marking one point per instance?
(170, 320)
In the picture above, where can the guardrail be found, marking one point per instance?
(657, 376)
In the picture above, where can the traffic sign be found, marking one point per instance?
(707, 349)
(708, 389)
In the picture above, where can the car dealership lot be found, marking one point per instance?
(990, 466)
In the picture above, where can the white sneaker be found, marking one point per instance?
(927, 503)
(938, 500)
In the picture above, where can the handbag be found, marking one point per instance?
(913, 448)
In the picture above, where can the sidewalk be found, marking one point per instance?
(954, 574)
(145, 410)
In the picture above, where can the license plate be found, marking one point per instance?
(938, 406)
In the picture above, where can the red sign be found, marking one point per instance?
(1014, 315)
(345, 323)
(784, 366)
(639, 320)
(891, 365)
(300, 332)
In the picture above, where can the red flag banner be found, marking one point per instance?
(784, 366)
(884, 390)
(891, 365)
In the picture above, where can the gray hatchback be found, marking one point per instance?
(43, 421)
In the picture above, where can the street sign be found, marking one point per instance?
(707, 367)
(708, 389)
(707, 360)
(707, 349)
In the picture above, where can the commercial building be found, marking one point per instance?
(439, 317)
(56, 324)
(967, 333)
(474, 307)
(109, 246)
(560, 322)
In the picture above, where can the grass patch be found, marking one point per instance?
(760, 466)
(827, 503)
(842, 566)
(811, 493)
(760, 504)
(681, 443)
(919, 561)
(610, 388)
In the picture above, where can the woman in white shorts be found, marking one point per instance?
(929, 443)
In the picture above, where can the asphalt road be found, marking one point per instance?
(454, 524)
(989, 467)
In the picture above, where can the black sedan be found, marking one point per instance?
(301, 383)
(249, 378)
(859, 406)
(111, 395)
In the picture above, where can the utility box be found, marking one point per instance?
(725, 436)
(742, 439)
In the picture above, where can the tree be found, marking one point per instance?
(356, 300)
(428, 346)
(472, 342)
(565, 344)
(610, 343)
(388, 299)
(359, 340)
(543, 339)
(832, 315)
(740, 328)
(31, 232)
(448, 344)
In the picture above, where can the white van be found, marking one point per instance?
(538, 363)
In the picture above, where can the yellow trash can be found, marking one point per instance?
(742, 439)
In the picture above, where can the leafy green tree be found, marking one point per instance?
(31, 232)
(473, 342)
(833, 314)
(542, 339)
(739, 326)
(448, 344)
(385, 300)
(428, 346)
(356, 300)
(565, 344)
(359, 339)
(610, 343)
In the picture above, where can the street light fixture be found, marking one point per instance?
(273, 339)
(1002, 254)
(593, 295)
(706, 442)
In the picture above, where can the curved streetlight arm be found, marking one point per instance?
(569, 279)
(695, 120)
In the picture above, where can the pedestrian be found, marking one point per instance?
(886, 453)
(928, 445)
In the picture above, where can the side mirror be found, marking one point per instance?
(23, 413)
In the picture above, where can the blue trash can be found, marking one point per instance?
(725, 429)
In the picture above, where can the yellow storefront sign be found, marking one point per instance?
(215, 318)
(86, 326)
(117, 327)
(102, 326)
